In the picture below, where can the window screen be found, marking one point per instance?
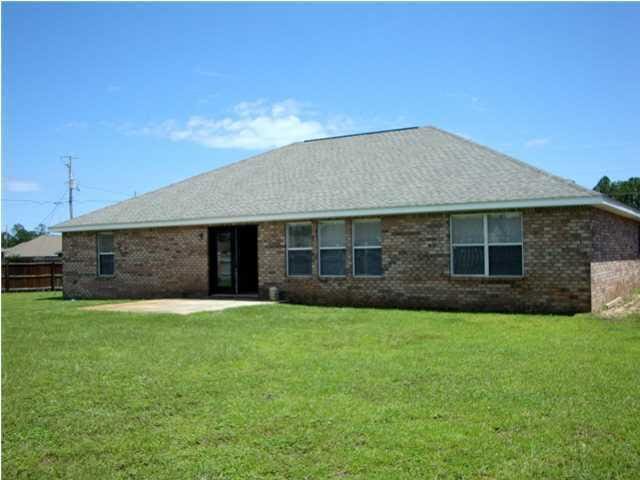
(299, 262)
(367, 248)
(299, 256)
(468, 245)
(468, 260)
(505, 228)
(331, 248)
(106, 258)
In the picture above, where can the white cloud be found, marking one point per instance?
(75, 125)
(208, 73)
(252, 125)
(537, 142)
(254, 108)
(22, 186)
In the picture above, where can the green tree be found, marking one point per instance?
(7, 238)
(604, 185)
(625, 191)
(19, 234)
(41, 229)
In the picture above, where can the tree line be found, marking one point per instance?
(625, 191)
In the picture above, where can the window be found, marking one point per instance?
(367, 248)
(106, 262)
(487, 244)
(299, 249)
(331, 249)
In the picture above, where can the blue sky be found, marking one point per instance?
(148, 94)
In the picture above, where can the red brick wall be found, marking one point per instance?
(415, 251)
(615, 267)
(159, 262)
(576, 259)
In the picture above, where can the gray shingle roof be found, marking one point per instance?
(400, 168)
(42, 246)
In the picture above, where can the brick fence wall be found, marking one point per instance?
(415, 252)
(156, 262)
(615, 266)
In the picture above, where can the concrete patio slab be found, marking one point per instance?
(180, 306)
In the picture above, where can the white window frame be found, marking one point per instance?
(343, 248)
(298, 249)
(486, 244)
(354, 248)
(100, 254)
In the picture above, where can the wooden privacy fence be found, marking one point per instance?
(22, 277)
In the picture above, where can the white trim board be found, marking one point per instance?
(595, 201)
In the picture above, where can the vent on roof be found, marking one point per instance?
(360, 134)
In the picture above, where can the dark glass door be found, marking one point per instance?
(233, 260)
(247, 260)
(222, 259)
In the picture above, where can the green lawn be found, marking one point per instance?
(304, 392)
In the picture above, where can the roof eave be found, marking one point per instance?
(618, 208)
(598, 201)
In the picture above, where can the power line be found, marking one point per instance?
(45, 219)
(39, 202)
(55, 207)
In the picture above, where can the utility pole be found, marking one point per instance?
(72, 183)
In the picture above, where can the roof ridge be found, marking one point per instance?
(516, 161)
(373, 132)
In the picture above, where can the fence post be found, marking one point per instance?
(6, 277)
(53, 278)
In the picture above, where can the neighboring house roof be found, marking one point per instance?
(42, 246)
(395, 171)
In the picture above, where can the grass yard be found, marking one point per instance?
(303, 392)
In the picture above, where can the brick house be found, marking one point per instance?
(415, 217)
